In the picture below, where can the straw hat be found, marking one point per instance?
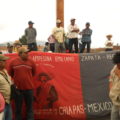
(109, 35)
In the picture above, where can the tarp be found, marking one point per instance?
(77, 85)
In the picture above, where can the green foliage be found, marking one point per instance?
(23, 40)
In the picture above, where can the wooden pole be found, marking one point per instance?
(60, 10)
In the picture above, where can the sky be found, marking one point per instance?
(102, 14)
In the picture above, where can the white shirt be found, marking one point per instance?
(58, 33)
(72, 34)
(109, 44)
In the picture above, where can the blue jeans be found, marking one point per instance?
(84, 45)
(27, 96)
(7, 112)
(73, 41)
(115, 113)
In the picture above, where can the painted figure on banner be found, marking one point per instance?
(46, 93)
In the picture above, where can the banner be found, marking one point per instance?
(71, 86)
(95, 71)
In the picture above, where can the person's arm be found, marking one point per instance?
(90, 32)
(82, 32)
(75, 29)
(69, 29)
(10, 69)
(25, 32)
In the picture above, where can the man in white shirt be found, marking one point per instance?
(58, 33)
(73, 32)
(109, 43)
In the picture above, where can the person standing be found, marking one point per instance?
(10, 49)
(86, 38)
(46, 47)
(17, 44)
(109, 43)
(73, 31)
(58, 33)
(31, 34)
(51, 41)
(5, 88)
(22, 69)
(114, 84)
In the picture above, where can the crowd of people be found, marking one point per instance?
(21, 70)
(68, 42)
(72, 41)
(61, 41)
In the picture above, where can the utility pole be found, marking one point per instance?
(60, 10)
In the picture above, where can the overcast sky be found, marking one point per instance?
(102, 14)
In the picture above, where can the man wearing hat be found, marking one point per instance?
(86, 38)
(17, 44)
(58, 33)
(108, 43)
(22, 69)
(5, 87)
(10, 48)
(73, 31)
(31, 34)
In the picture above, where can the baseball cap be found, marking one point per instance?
(17, 42)
(58, 21)
(30, 22)
(87, 23)
(3, 58)
(72, 19)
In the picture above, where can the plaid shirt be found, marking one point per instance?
(86, 35)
